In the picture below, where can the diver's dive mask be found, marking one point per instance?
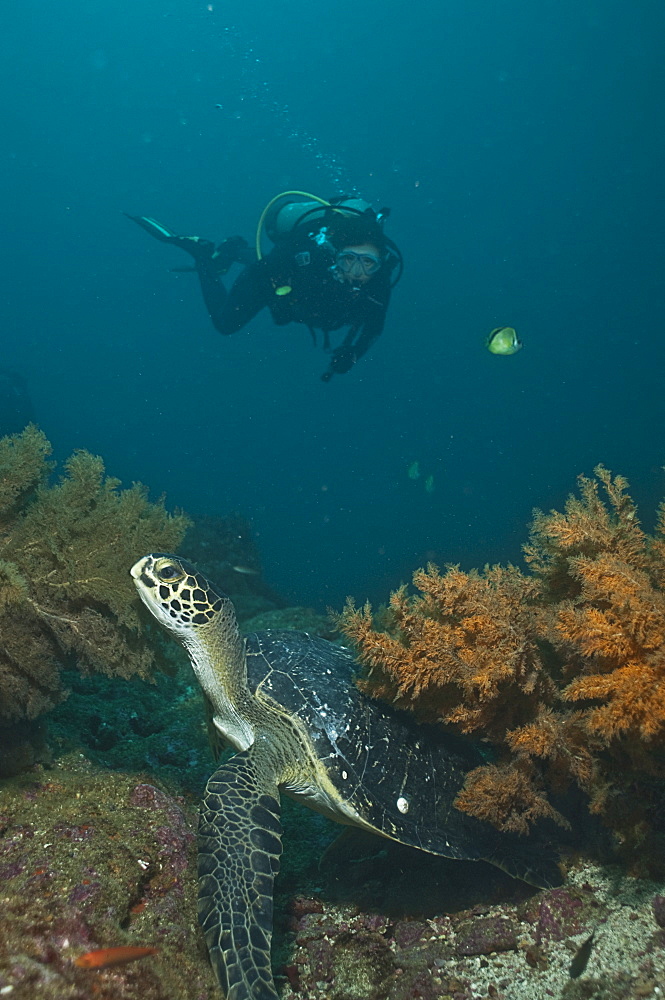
(356, 264)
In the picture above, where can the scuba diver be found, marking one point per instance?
(331, 267)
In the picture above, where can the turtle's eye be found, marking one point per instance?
(169, 573)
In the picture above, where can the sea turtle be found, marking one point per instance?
(287, 703)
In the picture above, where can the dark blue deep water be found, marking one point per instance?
(520, 146)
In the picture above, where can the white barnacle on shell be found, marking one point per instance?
(403, 804)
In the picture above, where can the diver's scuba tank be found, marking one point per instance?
(283, 219)
(290, 209)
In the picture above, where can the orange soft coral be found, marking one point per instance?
(589, 527)
(562, 670)
(508, 796)
(611, 634)
(465, 652)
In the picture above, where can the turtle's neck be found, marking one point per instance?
(217, 652)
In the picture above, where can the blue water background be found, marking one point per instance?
(520, 147)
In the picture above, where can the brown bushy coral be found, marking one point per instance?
(609, 630)
(562, 670)
(65, 554)
(465, 652)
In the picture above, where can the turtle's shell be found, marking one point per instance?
(400, 777)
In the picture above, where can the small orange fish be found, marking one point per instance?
(105, 957)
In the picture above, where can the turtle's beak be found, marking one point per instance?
(140, 574)
(138, 567)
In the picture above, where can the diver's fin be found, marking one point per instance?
(198, 247)
(153, 227)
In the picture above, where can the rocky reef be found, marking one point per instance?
(93, 859)
(599, 938)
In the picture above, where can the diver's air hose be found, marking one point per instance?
(283, 194)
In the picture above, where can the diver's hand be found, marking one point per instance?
(341, 362)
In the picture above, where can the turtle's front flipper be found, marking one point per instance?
(239, 849)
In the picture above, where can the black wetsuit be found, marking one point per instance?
(317, 298)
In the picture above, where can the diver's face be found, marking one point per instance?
(357, 264)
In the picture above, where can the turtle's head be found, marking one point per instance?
(204, 621)
(180, 598)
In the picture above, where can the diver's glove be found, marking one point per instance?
(342, 361)
(199, 248)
